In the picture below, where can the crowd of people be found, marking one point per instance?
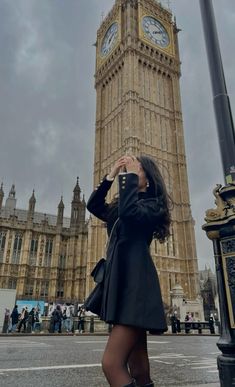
(61, 318)
(16, 321)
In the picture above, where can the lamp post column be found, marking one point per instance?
(220, 221)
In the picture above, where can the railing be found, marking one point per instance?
(92, 324)
(188, 326)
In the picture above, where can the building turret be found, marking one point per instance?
(1, 195)
(60, 213)
(32, 202)
(75, 206)
(11, 200)
(83, 209)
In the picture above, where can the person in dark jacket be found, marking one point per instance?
(14, 318)
(23, 319)
(132, 300)
(57, 319)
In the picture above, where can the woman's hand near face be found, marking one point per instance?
(132, 164)
(120, 163)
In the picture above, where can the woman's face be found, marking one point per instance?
(142, 179)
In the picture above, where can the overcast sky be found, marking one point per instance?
(47, 100)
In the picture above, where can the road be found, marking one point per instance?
(50, 361)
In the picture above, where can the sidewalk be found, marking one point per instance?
(201, 385)
(45, 333)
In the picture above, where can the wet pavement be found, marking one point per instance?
(48, 361)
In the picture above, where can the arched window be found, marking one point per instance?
(2, 244)
(48, 252)
(17, 248)
(12, 282)
(33, 252)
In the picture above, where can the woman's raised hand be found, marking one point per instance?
(118, 166)
(132, 164)
(125, 163)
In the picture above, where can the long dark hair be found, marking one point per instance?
(157, 189)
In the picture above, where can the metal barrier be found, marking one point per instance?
(186, 326)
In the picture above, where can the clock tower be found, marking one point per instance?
(138, 111)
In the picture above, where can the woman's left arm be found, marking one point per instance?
(131, 209)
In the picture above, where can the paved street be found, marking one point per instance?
(75, 361)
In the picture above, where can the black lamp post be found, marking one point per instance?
(220, 222)
(222, 107)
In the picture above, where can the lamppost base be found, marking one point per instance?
(226, 367)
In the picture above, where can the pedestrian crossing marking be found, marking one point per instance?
(59, 367)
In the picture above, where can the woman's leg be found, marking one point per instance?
(139, 362)
(121, 342)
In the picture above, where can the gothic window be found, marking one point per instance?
(2, 244)
(48, 252)
(170, 282)
(44, 288)
(62, 261)
(29, 288)
(60, 289)
(17, 248)
(170, 245)
(12, 282)
(33, 252)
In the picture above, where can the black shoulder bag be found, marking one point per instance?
(94, 300)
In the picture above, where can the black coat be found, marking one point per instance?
(132, 294)
(14, 316)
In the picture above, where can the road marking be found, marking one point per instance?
(49, 367)
(158, 342)
(164, 362)
(91, 342)
(213, 371)
(203, 367)
(202, 362)
(171, 356)
(24, 345)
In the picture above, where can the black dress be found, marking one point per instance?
(132, 294)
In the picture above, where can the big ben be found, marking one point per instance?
(138, 111)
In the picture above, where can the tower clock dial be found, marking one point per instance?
(155, 31)
(109, 40)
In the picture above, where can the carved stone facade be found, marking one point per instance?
(43, 256)
(138, 111)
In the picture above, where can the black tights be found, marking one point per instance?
(126, 357)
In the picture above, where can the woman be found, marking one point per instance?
(132, 298)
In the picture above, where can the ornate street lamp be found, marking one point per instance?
(220, 222)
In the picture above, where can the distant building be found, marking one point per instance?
(208, 287)
(43, 256)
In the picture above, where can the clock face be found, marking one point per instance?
(109, 39)
(155, 31)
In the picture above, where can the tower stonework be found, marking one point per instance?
(138, 111)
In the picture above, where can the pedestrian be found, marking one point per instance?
(64, 318)
(31, 320)
(38, 320)
(23, 319)
(69, 318)
(57, 319)
(7, 321)
(132, 299)
(81, 320)
(14, 318)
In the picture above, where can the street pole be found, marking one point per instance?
(222, 106)
(220, 222)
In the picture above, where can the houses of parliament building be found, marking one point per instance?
(138, 111)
